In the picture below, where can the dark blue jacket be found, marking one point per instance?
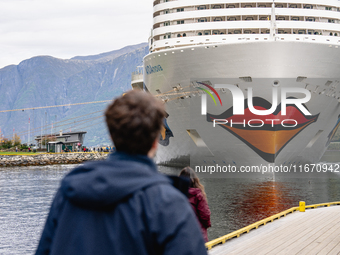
(120, 206)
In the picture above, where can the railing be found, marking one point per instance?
(255, 225)
(237, 38)
(138, 74)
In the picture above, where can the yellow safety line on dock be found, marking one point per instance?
(255, 225)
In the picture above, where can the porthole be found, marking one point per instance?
(276, 83)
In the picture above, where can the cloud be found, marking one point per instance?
(65, 29)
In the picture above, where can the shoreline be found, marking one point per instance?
(50, 159)
(41, 159)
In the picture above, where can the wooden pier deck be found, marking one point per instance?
(315, 231)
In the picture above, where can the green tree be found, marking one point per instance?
(6, 143)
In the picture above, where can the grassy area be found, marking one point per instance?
(16, 153)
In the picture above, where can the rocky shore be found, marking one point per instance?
(49, 159)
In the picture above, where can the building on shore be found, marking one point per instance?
(55, 146)
(70, 141)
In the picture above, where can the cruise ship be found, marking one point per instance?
(245, 83)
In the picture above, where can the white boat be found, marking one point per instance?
(198, 46)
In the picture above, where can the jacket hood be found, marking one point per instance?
(103, 184)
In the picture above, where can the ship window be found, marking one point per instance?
(316, 33)
(328, 8)
(331, 21)
(217, 6)
(247, 31)
(293, 6)
(267, 31)
(180, 21)
(232, 19)
(248, 6)
(216, 32)
(184, 34)
(207, 32)
(330, 33)
(218, 19)
(199, 33)
(296, 18)
(308, 6)
(335, 34)
(237, 32)
(202, 7)
(262, 6)
(179, 35)
(279, 6)
(301, 32)
(310, 32)
(310, 19)
(202, 20)
(231, 6)
(167, 23)
(281, 32)
(249, 18)
(180, 10)
(264, 18)
(281, 18)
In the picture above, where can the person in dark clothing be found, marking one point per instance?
(123, 205)
(198, 200)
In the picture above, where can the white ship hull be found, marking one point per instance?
(271, 60)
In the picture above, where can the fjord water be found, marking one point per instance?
(27, 192)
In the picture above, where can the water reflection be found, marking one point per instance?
(236, 203)
(26, 195)
(267, 197)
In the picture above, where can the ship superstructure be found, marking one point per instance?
(262, 46)
(189, 22)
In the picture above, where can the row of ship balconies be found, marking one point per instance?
(248, 31)
(163, 11)
(246, 18)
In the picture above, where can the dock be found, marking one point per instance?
(294, 231)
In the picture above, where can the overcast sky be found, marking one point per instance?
(68, 28)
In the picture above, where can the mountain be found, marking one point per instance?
(48, 81)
